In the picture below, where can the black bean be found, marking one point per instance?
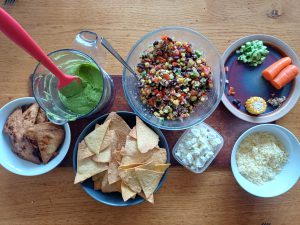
(170, 39)
(155, 43)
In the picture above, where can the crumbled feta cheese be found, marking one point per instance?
(197, 147)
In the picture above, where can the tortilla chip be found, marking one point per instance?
(99, 176)
(108, 188)
(109, 139)
(98, 180)
(130, 146)
(41, 116)
(129, 166)
(116, 156)
(30, 114)
(83, 151)
(95, 138)
(155, 167)
(156, 155)
(87, 168)
(113, 172)
(150, 199)
(118, 124)
(148, 180)
(128, 176)
(103, 157)
(133, 133)
(147, 139)
(127, 193)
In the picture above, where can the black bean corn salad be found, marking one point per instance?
(173, 78)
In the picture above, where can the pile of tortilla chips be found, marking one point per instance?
(120, 159)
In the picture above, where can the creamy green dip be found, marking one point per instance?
(88, 98)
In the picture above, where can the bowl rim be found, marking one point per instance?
(84, 133)
(295, 91)
(233, 164)
(42, 168)
(222, 78)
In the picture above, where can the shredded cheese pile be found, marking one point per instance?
(260, 157)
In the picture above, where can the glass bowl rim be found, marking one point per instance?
(222, 77)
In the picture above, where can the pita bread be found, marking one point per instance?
(30, 114)
(147, 139)
(41, 117)
(48, 137)
(14, 123)
(95, 138)
(148, 180)
(83, 151)
(127, 193)
(87, 168)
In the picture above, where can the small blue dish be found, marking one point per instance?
(115, 198)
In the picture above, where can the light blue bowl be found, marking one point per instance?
(115, 199)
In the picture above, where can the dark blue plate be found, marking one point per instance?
(115, 199)
(249, 82)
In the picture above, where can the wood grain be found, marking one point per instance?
(185, 198)
(211, 198)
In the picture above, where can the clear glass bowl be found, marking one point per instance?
(201, 111)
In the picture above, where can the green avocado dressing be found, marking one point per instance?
(89, 96)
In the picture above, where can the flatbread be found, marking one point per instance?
(147, 139)
(41, 116)
(87, 168)
(83, 151)
(47, 137)
(148, 180)
(30, 114)
(127, 193)
(14, 123)
(95, 138)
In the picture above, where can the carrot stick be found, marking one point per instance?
(272, 71)
(285, 76)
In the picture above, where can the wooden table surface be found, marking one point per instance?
(185, 198)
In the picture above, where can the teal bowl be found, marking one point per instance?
(115, 198)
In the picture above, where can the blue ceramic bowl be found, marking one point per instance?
(115, 199)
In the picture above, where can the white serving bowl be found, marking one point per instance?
(290, 173)
(10, 161)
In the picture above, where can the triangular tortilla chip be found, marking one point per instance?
(133, 133)
(83, 151)
(148, 180)
(127, 193)
(87, 168)
(118, 124)
(98, 180)
(154, 167)
(156, 155)
(113, 172)
(104, 156)
(108, 188)
(150, 199)
(95, 138)
(30, 114)
(109, 139)
(130, 146)
(147, 139)
(129, 177)
(129, 166)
